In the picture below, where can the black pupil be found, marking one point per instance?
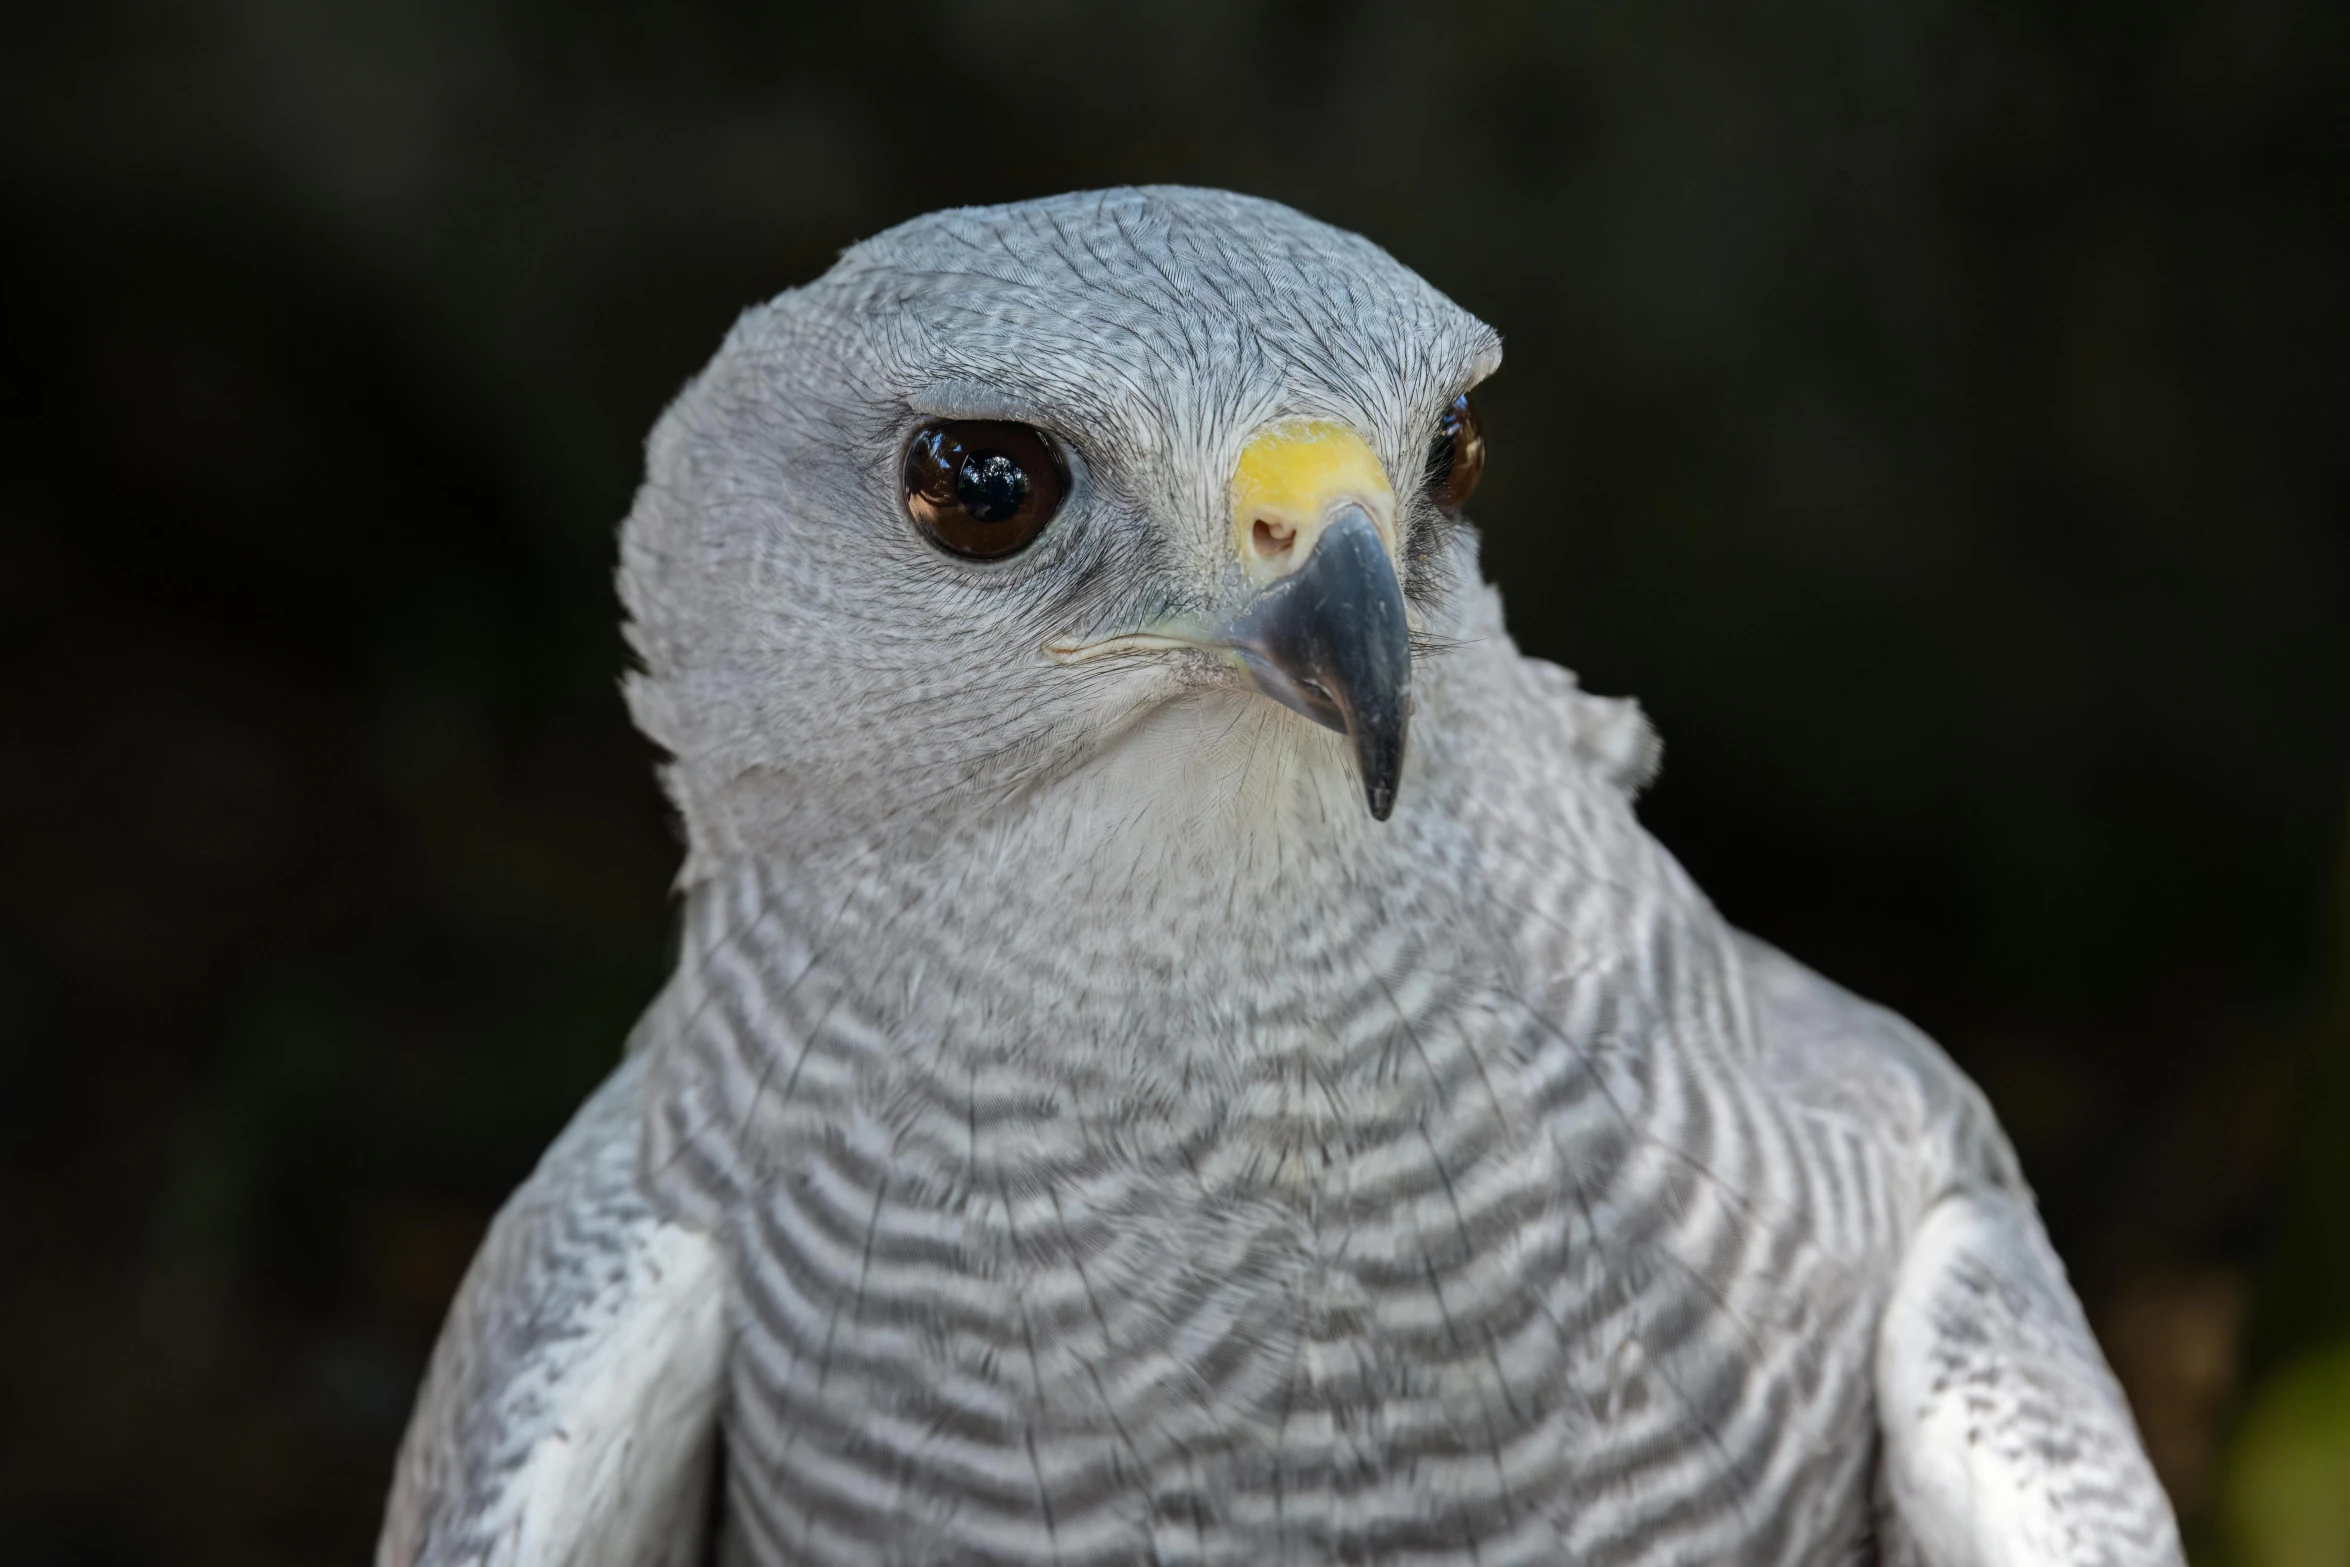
(991, 486)
(1448, 449)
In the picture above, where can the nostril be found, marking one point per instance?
(1272, 539)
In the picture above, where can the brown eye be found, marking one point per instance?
(1457, 459)
(984, 489)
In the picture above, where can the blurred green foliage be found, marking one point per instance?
(1933, 413)
(2288, 1490)
(2287, 1485)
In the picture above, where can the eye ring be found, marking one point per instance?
(984, 489)
(1456, 457)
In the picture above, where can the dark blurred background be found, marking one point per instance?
(1935, 414)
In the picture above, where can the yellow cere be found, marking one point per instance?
(1290, 477)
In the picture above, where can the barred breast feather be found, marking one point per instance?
(1504, 1224)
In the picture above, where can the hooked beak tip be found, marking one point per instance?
(1330, 640)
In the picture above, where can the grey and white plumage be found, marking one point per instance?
(1077, 1131)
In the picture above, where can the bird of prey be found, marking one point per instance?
(1181, 1050)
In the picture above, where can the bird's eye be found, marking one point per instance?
(984, 489)
(1456, 460)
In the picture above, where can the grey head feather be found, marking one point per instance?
(816, 670)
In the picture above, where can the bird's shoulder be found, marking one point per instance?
(1832, 1056)
(569, 1413)
(1560, 775)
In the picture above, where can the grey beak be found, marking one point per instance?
(1330, 641)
